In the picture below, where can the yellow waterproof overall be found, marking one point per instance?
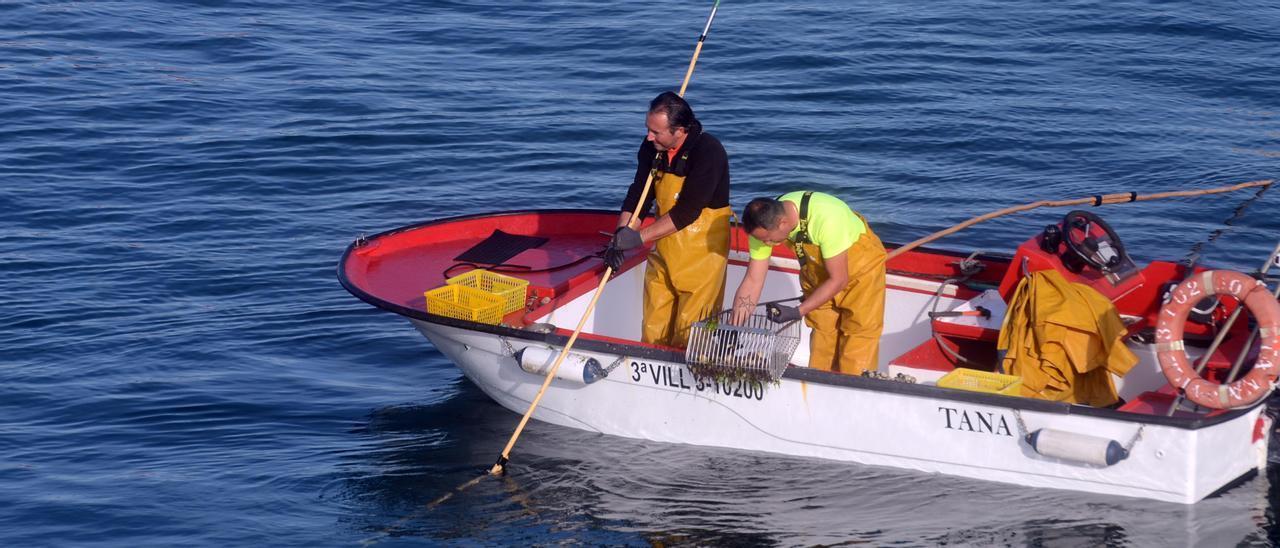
(684, 281)
(846, 329)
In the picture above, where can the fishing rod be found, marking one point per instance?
(1096, 200)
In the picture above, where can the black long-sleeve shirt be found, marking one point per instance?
(706, 173)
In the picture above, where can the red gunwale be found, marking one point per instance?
(398, 266)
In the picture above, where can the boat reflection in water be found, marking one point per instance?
(570, 482)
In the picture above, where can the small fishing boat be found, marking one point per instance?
(939, 405)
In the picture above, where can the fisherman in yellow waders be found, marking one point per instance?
(684, 281)
(842, 266)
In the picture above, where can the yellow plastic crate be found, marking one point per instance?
(982, 381)
(509, 289)
(464, 303)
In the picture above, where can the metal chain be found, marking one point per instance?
(1022, 426)
(614, 365)
(1128, 447)
(1022, 430)
(511, 351)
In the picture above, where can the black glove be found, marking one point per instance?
(613, 257)
(626, 238)
(782, 314)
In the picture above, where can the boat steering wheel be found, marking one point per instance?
(1093, 241)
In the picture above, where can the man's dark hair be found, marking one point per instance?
(763, 213)
(678, 111)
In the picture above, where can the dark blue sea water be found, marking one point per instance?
(178, 179)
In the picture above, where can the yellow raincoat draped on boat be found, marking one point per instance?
(1065, 340)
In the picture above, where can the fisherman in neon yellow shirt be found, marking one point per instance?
(842, 276)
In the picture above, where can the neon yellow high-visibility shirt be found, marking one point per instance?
(832, 225)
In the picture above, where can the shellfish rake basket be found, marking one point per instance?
(757, 349)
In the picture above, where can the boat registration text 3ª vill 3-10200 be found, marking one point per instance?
(670, 376)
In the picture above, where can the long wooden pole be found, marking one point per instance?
(635, 216)
(1117, 198)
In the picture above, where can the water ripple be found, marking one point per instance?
(181, 366)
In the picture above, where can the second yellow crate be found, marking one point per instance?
(510, 290)
(982, 381)
(464, 303)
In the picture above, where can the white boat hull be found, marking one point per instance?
(867, 421)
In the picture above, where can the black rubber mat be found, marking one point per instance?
(499, 247)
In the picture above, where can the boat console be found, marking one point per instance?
(1084, 249)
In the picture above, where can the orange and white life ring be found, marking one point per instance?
(1170, 350)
